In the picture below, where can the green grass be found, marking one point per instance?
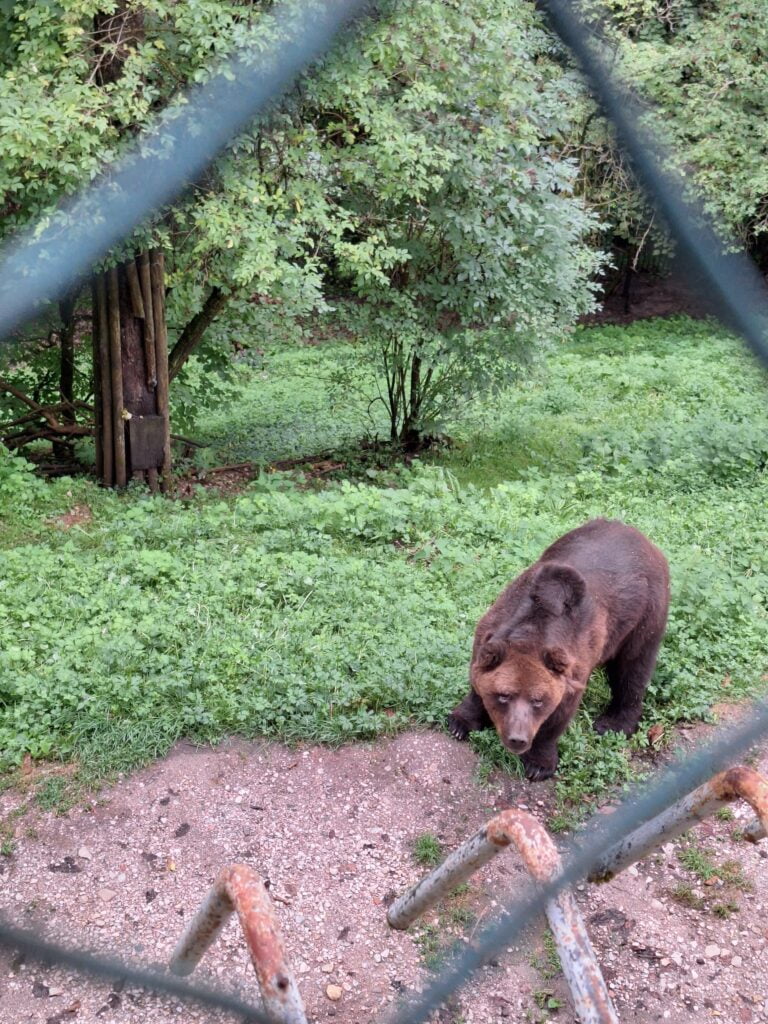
(545, 1000)
(285, 408)
(703, 866)
(440, 939)
(701, 862)
(429, 939)
(686, 897)
(427, 850)
(546, 960)
(56, 794)
(347, 611)
(725, 910)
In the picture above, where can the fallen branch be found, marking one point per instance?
(24, 399)
(188, 440)
(227, 469)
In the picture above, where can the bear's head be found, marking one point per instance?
(524, 673)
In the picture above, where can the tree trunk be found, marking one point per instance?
(67, 348)
(410, 433)
(132, 422)
(626, 291)
(132, 371)
(193, 333)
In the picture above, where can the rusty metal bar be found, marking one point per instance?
(739, 783)
(580, 967)
(239, 888)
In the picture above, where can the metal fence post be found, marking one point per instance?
(239, 888)
(582, 972)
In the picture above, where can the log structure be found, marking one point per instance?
(130, 352)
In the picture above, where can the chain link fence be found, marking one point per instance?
(42, 265)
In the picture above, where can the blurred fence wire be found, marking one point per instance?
(47, 260)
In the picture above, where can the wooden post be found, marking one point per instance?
(131, 367)
(149, 320)
(157, 275)
(134, 289)
(115, 356)
(98, 415)
(101, 337)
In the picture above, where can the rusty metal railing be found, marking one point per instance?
(738, 783)
(239, 888)
(591, 1000)
(582, 972)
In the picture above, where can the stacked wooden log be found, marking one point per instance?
(130, 353)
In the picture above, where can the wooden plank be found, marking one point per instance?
(134, 289)
(116, 370)
(146, 436)
(97, 413)
(157, 274)
(101, 330)
(149, 320)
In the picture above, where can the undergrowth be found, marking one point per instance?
(347, 611)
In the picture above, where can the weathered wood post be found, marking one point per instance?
(131, 373)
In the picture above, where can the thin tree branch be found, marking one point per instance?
(193, 333)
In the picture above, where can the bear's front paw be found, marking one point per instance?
(539, 765)
(457, 727)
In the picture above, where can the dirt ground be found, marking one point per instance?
(333, 832)
(651, 297)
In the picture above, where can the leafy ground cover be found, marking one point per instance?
(347, 611)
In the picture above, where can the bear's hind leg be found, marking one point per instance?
(628, 676)
(468, 716)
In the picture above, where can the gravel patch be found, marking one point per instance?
(332, 832)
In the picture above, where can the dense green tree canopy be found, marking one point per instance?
(418, 167)
(703, 67)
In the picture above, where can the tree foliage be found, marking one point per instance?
(702, 66)
(464, 243)
(418, 168)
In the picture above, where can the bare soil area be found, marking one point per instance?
(334, 832)
(651, 296)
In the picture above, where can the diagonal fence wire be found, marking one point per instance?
(740, 297)
(40, 268)
(734, 286)
(580, 858)
(64, 246)
(49, 952)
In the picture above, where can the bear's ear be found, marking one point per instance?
(560, 662)
(557, 589)
(556, 660)
(491, 652)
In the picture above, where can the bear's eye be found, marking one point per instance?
(502, 698)
(537, 702)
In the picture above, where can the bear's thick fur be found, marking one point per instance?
(597, 596)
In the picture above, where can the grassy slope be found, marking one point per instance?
(349, 611)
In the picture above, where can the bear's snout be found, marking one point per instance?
(517, 744)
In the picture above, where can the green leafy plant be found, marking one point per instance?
(465, 245)
(699, 69)
(547, 960)
(256, 613)
(427, 850)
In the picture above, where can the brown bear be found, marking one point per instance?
(597, 596)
